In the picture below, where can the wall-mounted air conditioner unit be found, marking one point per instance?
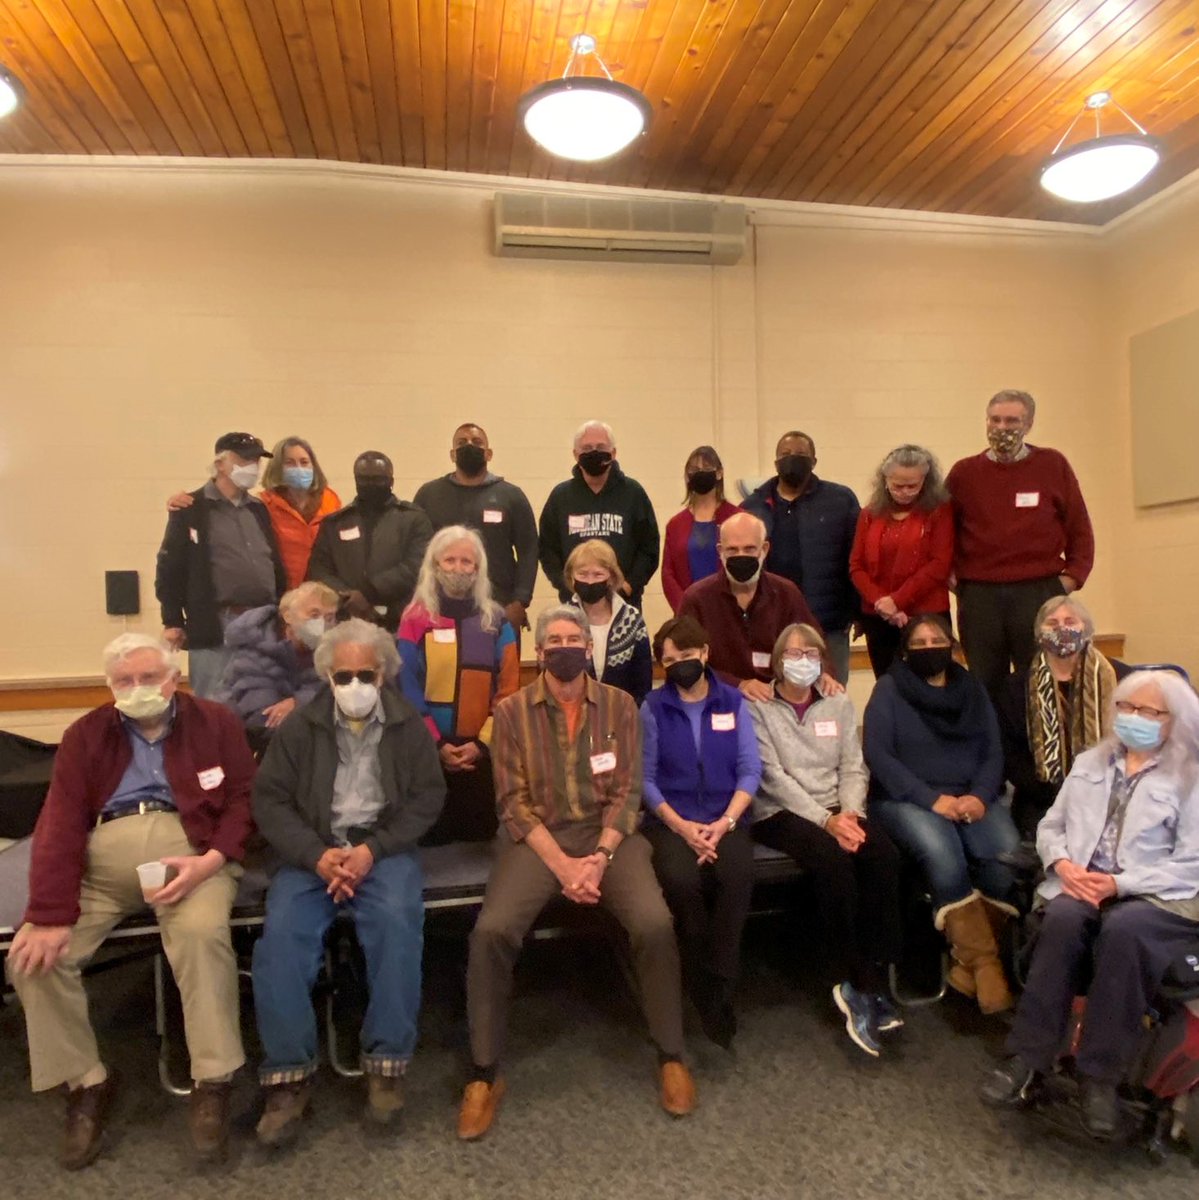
(607, 229)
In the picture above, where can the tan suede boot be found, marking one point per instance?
(973, 944)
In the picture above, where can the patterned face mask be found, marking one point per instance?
(1005, 442)
(1063, 641)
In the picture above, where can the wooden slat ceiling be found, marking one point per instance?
(937, 105)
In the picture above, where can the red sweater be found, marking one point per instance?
(676, 569)
(908, 560)
(1021, 520)
(89, 765)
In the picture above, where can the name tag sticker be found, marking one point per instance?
(350, 535)
(576, 524)
(1028, 499)
(761, 660)
(194, 534)
(723, 722)
(212, 778)
(493, 516)
(825, 728)
(445, 635)
(602, 763)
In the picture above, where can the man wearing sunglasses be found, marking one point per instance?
(349, 784)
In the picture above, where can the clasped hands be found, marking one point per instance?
(965, 809)
(459, 758)
(1091, 887)
(343, 868)
(580, 877)
(846, 827)
(890, 612)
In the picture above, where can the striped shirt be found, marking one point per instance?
(545, 777)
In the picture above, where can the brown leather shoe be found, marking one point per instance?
(384, 1098)
(678, 1089)
(208, 1119)
(88, 1110)
(286, 1104)
(479, 1102)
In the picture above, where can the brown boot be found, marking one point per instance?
(384, 1098)
(208, 1119)
(88, 1111)
(479, 1103)
(677, 1088)
(969, 932)
(961, 978)
(286, 1104)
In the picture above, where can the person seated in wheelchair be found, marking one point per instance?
(1120, 848)
(1053, 711)
(346, 789)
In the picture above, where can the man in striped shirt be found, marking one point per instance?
(566, 754)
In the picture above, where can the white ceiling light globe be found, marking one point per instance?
(1100, 168)
(584, 119)
(11, 92)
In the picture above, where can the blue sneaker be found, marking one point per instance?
(886, 1015)
(859, 1017)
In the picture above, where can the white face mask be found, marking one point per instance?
(310, 632)
(356, 699)
(801, 672)
(142, 703)
(244, 477)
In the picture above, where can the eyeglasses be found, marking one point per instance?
(341, 678)
(1142, 710)
(795, 655)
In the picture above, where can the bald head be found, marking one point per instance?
(742, 529)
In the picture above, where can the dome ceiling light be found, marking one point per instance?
(11, 91)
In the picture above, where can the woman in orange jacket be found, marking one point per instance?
(298, 497)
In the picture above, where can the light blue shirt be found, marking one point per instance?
(145, 777)
(358, 795)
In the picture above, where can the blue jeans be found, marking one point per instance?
(955, 857)
(389, 918)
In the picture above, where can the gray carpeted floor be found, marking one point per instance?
(796, 1111)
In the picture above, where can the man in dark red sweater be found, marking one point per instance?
(159, 777)
(1022, 535)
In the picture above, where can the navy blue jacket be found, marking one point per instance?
(811, 546)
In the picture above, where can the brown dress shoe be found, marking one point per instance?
(479, 1102)
(678, 1089)
(384, 1098)
(88, 1110)
(286, 1104)
(208, 1119)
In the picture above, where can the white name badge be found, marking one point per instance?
(576, 524)
(601, 763)
(723, 722)
(761, 660)
(445, 635)
(825, 728)
(212, 778)
(493, 516)
(194, 534)
(1028, 499)
(350, 535)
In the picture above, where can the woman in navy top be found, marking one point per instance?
(701, 768)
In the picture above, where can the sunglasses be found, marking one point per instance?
(341, 678)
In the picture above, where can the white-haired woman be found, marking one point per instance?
(1120, 847)
(459, 659)
(902, 550)
(1051, 713)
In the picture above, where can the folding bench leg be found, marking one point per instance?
(331, 1035)
(917, 999)
(163, 1028)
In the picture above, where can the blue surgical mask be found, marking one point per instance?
(1137, 732)
(298, 477)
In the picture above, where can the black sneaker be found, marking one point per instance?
(1012, 1085)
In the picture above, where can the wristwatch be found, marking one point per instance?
(608, 854)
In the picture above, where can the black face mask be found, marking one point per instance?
(702, 482)
(794, 469)
(565, 663)
(592, 593)
(470, 460)
(373, 495)
(595, 462)
(926, 663)
(685, 674)
(743, 567)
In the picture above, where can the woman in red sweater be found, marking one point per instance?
(902, 551)
(690, 551)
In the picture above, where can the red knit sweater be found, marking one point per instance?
(1020, 520)
(913, 569)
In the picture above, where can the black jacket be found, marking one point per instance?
(376, 554)
(293, 790)
(183, 578)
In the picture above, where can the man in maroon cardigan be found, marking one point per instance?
(159, 776)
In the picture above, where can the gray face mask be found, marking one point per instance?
(310, 632)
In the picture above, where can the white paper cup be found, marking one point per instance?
(152, 876)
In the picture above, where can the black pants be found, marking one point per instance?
(469, 814)
(1126, 948)
(857, 894)
(882, 641)
(709, 904)
(996, 625)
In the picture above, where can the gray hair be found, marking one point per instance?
(357, 632)
(932, 494)
(560, 612)
(300, 593)
(809, 633)
(1077, 607)
(122, 646)
(582, 429)
(1181, 748)
(426, 593)
(1014, 396)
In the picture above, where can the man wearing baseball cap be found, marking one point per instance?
(217, 559)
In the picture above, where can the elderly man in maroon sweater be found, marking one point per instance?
(1022, 535)
(159, 776)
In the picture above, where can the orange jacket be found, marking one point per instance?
(294, 534)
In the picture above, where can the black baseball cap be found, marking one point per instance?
(244, 445)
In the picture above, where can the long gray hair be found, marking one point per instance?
(426, 593)
(931, 496)
(1181, 748)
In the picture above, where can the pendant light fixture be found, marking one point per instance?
(11, 91)
(1103, 166)
(584, 118)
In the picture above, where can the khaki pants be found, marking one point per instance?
(195, 937)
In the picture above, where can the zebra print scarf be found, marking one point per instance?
(1059, 729)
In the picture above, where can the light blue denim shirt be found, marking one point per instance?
(358, 796)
